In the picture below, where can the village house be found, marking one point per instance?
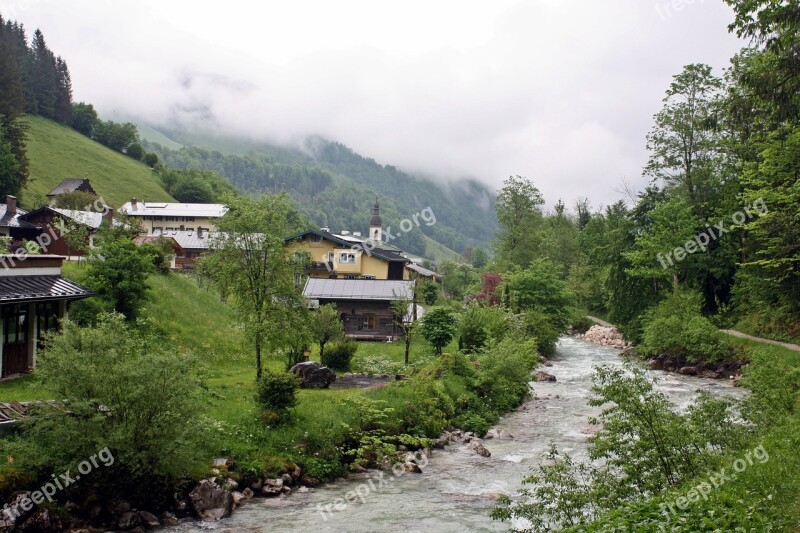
(349, 255)
(158, 217)
(10, 223)
(34, 299)
(364, 304)
(192, 245)
(54, 224)
(71, 185)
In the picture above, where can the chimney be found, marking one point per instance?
(108, 215)
(183, 228)
(199, 232)
(326, 229)
(11, 205)
(133, 203)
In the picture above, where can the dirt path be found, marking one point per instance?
(732, 332)
(787, 345)
(601, 322)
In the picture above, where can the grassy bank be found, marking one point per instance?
(450, 390)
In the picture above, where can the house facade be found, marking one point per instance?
(364, 304)
(349, 255)
(34, 299)
(158, 217)
(54, 224)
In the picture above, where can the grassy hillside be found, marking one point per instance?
(57, 152)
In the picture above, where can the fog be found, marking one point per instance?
(562, 92)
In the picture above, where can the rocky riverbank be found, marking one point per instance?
(605, 336)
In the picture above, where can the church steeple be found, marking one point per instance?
(375, 223)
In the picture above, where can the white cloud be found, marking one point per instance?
(562, 92)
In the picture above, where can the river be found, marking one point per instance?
(457, 490)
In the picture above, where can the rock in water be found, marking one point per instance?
(313, 375)
(210, 501)
(544, 376)
(479, 448)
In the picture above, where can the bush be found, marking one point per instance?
(581, 324)
(439, 326)
(277, 392)
(675, 327)
(504, 374)
(472, 334)
(339, 354)
(129, 391)
(473, 422)
(538, 326)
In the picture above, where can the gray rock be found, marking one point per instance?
(238, 497)
(210, 501)
(313, 375)
(169, 519)
(272, 487)
(43, 521)
(248, 493)
(149, 519)
(541, 375)
(129, 520)
(479, 448)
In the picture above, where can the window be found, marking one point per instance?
(46, 318)
(15, 324)
(315, 238)
(367, 322)
(347, 258)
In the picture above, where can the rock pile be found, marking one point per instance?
(605, 337)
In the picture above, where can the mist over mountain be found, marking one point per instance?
(335, 186)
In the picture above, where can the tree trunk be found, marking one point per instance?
(408, 344)
(258, 358)
(675, 281)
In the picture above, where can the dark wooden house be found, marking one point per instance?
(72, 185)
(33, 300)
(364, 305)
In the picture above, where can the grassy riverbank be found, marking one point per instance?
(470, 392)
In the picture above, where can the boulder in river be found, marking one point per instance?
(479, 448)
(313, 375)
(541, 375)
(210, 501)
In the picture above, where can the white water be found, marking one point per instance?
(458, 488)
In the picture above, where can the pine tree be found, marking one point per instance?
(12, 106)
(63, 106)
(45, 76)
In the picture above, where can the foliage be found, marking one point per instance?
(84, 118)
(118, 272)
(490, 289)
(121, 392)
(118, 137)
(502, 381)
(277, 392)
(519, 215)
(676, 328)
(428, 291)
(643, 447)
(77, 200)
(135, 151)
(250, 263)
(339, 354)
(472, 333)
(326, 326)
(438, 326)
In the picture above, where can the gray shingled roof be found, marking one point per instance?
(12, 221)
(357, 289)
(69, 185)
(14, 289)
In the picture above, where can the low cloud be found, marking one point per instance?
(561, 92)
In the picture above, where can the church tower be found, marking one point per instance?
(376, 224)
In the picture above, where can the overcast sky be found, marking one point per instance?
(560, 91)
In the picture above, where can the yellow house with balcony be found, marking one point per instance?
(328, 255)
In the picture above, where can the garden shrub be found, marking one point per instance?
(277, 392)
(339, 354)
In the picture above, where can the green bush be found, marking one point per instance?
(676, 328)
(473, 422)
(472, 333)
(504, 373)
(277, 392)
(129, 392)
(339, 354)
(539, 326)
(581, 324)
(439, 325)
